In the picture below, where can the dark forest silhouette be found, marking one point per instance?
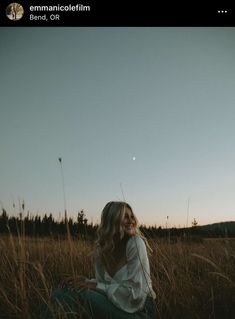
(37, 226)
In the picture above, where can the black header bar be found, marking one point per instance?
(114, 13)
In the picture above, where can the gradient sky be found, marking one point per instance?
(97, 97)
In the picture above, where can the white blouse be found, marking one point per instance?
(131, 284)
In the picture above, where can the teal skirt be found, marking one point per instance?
(90, 304)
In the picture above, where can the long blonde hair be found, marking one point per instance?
(111, 228)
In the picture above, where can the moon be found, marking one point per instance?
(134, 158)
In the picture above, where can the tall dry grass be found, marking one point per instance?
(195, 280)
(191, 280)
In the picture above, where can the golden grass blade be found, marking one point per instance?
(207, 260)
(12, 306)
(222, 276)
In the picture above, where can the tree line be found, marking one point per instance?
(37, 226)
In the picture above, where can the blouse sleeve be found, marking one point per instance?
(130, 293)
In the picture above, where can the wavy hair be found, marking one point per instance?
(111, 229)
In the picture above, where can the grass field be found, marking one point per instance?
(191, 280)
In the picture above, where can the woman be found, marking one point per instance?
(122, 288)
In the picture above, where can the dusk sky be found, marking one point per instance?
(141, 114)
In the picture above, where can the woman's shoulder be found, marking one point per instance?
(136, 242)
